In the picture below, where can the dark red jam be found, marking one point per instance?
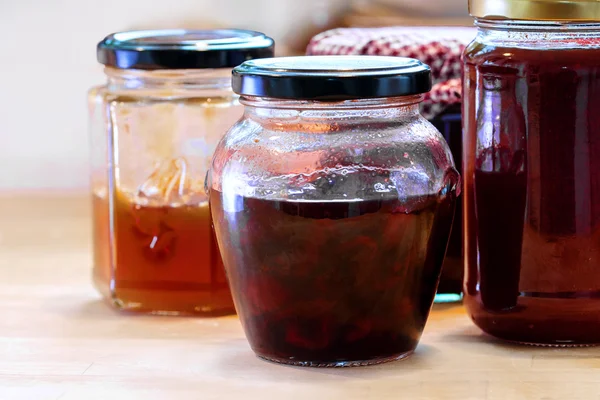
(332, 283)
(451, 281)
(532, 192)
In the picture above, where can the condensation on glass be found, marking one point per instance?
(333, 200)
(532, 171)
(154, 126)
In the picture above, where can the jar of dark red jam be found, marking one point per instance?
(332, 200)
(532, 171)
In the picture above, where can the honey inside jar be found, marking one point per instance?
(157, 257)
(166, 258)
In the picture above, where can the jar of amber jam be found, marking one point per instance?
(332, 200)
(531, 155)
(154, 126)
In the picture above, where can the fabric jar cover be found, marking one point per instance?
(439, 47)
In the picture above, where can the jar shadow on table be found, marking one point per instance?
(447, 307)
(240, 361)
(102, 307)
(468, 338)
(72, 307)
(487, 345)
(96, 308)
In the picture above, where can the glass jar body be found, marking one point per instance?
(333, 220)
(531, 152)
(450, 289)
(153, 135)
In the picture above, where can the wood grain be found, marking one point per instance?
(58, 340)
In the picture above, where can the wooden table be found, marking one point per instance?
(58, 340)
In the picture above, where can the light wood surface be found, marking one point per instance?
(58, 340)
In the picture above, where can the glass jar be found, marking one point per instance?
(450, 289)
(154, 126)
(532, 171)
(332, 200)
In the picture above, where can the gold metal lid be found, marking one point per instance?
(537, 10)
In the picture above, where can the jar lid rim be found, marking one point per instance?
(182, 49)
(537, 10)
(329, 78)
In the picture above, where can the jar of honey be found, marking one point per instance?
(531, 162)
(154, 126)
(333, 200)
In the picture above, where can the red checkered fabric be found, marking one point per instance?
(442, 95)
(440, 48)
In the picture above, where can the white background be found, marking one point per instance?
(48, 61)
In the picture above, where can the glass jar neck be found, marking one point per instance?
(522, 31)
(289, 111)
(188, 81)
